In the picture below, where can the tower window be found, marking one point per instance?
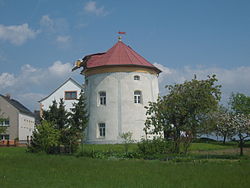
(70, 95)
(136, 77)
(137, 97)
(102, 96)
(102, 129)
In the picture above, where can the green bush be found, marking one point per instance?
(45, 138)
(154, 147)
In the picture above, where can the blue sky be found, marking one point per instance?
(40, 40)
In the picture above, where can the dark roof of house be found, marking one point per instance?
(20, 107)
(70, 79)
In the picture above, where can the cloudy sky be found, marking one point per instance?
(40, 40)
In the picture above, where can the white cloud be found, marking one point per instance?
(6, 80)
(60, 69)
(91, 7)
(232, 80)
(63, 39)
(17, 34)
(32, 83)
(28, 68)
(47, 23)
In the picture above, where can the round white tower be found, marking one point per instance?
(118, 85)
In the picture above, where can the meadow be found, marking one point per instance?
(21, 169)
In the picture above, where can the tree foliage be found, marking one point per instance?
(223, 123)
(240, 103)
(78, 119)
(45, 138)
(180, 114)
(241, 124)
(70, 127)
(127, 139)
(57, 115)
(79, 115)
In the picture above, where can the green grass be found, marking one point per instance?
(133, 147)
(109, 147)
(21, 169)
(210, 146)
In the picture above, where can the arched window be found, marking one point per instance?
(137, 97)
(102, 98)
(136, 77)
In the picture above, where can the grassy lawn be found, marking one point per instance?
(21, 169)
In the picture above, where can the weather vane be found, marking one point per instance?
(120, 33)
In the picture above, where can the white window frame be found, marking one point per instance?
(137, 97)
(102, 98)
(101, 130)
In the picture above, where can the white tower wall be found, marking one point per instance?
(120, 114)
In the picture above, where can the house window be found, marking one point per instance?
(101, 129)
(5, 123)
(136, 77)
(102, 97)
(4, 137)
(70, 95)
(137, 97)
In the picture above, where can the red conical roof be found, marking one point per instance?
(119, 55)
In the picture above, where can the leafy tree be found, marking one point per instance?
(79, 119)
(180, 114)
(52, 113)
(240, 103)
(45, 138)
(223, 126)
(241, 125)
(58, 117)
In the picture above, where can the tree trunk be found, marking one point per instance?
(177, 141)
(224, 139)
(241, 147)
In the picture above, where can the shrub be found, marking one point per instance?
(45, 138)
(153, 147)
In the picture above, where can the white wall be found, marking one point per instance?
(120, 114)
(68, 86)
(26, 126)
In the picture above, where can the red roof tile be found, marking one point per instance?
(119, 54)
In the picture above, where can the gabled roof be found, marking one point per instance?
(119, 55)
(21, 108)
(70, 79)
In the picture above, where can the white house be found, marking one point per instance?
(19, 120)
(118, 85)
(69, 91)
